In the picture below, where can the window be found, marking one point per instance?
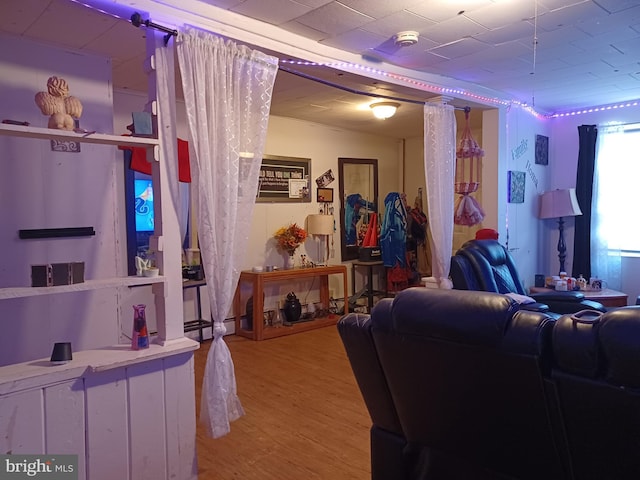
(617, 181)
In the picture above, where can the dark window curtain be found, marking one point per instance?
(584, 192)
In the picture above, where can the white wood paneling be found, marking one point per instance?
(180, 417)
(21, 423)
(64, 426)
(107, 426)
(146, 421)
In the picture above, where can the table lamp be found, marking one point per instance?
(320, 224)
(558, 204)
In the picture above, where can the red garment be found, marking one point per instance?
(139, 160)
(486, 234)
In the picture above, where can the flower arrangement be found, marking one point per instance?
(290, 238)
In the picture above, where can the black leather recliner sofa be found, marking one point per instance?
(483, 390)
(486, 265)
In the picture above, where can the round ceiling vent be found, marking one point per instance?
(406, 39)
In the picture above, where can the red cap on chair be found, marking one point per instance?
(486, 234)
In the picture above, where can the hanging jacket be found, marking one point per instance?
(393, 234)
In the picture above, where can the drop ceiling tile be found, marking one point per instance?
(501, 55)
(379, 8)
(79, 25)
(615, 6)
(398, 22)
(521, 30)
(460, 48)
(630, 47)
(423, 61)
(18, 15)
(572, 15)
(555, 4)
(561, 36)
(453, 29)
(226, 4)
(273, 11)
(122, 42)
(334, 19)
(314, 3)
(498, 14)
(356, 41)
(610, 23)
(440, 11)
(304, 30)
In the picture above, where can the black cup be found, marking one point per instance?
(539, 282)
(61, 353)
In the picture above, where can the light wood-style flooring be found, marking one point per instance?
(305, 418)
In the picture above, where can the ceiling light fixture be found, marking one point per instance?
(384, 110)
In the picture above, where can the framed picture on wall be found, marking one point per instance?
(325, 195)
(516, 186)
(542, 150)
(284, 179)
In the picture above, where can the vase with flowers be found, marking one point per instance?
(288, 239)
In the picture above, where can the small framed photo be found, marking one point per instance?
(325, 195)
(325, 179)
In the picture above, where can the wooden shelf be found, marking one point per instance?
(258, 280)
(29, 375)
(301, 326)
(66, 135)
(19, 292)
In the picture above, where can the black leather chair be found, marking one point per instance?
(466, 371)
(486, 265)
(388, 444)
(596, 371)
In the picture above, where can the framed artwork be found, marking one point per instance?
(516, 186)
(325, 195)
(542, 150)
(284, 179)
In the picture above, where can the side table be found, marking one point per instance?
(368, 289)
(199, 323)
(606, 296)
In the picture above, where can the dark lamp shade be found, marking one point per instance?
(559, 203)
(61, 353)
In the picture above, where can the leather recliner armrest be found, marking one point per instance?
(572, 296)
(535, 307)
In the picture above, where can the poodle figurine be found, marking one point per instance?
(57, 103)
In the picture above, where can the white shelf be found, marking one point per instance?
(38, 373)
(51, 133)
(18, 292)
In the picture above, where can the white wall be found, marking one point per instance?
(565, 148)
(44, 189)
(518, 223)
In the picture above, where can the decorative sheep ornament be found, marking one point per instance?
(57, 103)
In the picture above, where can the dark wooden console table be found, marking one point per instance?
(257, 280)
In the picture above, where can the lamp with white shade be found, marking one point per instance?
(558, 204)
(321, 225)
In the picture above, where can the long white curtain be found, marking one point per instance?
(609, 216)
(439, 166)
(227, 91)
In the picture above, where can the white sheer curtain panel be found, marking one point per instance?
(439, 167)
(609, 216)
(227, 90)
